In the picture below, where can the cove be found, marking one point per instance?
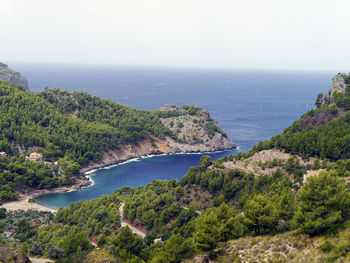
(133, 173)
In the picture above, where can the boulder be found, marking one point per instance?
(35, 157)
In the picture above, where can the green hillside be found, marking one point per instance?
(224, 210)
(70, 131)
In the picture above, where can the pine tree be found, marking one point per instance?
(324, 203)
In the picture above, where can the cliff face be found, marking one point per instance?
(195, 130)
(7, 74)
(332, 99)
(339, 84)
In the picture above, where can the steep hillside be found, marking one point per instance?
(48, 138)
(322, 132)
(7, 74)
(272, 204)
(287, 247)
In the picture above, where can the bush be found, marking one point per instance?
(324, 202)
(55, 253)
(180, 124)
(326, 247)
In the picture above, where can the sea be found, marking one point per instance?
(250, 105)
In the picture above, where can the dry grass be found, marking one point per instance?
(197, 197)
(286, 247)
(257, 163)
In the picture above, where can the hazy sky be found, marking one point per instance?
(294, 34)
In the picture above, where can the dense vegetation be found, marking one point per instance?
(210, 205)
(331, 141)
(71, 128)
(77, 126)
(16, 173)
(239, 205)
(19, 229)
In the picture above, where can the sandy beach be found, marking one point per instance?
(22, 202)
(24, 205)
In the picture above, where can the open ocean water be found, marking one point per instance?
(250, 106)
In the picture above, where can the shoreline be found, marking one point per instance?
(87, 171)
(84, 181)
(25, 205)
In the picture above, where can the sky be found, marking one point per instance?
(256, 34)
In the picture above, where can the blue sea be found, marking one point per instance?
(250, 105)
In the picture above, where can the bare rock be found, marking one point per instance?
(35, 157)
(201, 259)
(194, 129)
(7, 74)
(338, 84)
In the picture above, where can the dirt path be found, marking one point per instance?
(197, 211)
(123, 222)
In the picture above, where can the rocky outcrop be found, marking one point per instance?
(338, 86)
(7, 74)
(195, 132)
(35, 157)
(338, 83)
(322, 118)
(200, 259)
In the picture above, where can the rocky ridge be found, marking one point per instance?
(195, 130)
(328, 105)
(7, 74)
(339, 85)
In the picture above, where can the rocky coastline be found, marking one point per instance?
(7, 74)
(195, 132)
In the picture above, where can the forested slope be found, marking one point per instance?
(216, 202)
(71, 131)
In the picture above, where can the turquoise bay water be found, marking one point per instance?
(249, 105)
(133, 173)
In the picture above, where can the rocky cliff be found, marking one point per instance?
(340, 82)
(194, 129)
(7, 74)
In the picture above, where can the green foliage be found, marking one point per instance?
(236, 203)
(319, 100)
(74, 128)
(338, 99)
(217, 225)
(326, 247)
(193, 109)
(2, 213)
(347, 79)
(205, 162)
(156, 205)
(75, 242)
(128, 242)
(72, 125)
(261, 214)
(93, 216)
(324, 203)
(331, 141)
(24, 230)
(24, 250)
(17, 172)
(175, 250)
